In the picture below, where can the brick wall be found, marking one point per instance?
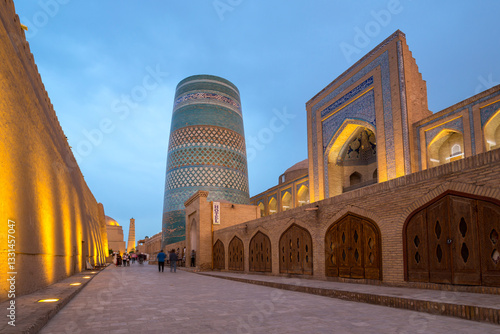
(387, 204)
(58, 223)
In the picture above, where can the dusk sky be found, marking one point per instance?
(118, 63)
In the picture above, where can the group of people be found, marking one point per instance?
(125, 260)
(173, 257)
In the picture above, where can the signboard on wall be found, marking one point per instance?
(216, 213)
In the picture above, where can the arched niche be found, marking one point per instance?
(235, 254)
(219, 256)
(303, 195)
(446, 146)
(492, 132)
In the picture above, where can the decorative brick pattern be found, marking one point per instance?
(204, 136)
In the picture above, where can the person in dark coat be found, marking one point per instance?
(161, 260)
(173, 260)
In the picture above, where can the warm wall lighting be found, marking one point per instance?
(50, 300)
(76, 284)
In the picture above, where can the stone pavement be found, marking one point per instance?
(138, 299)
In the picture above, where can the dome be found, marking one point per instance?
(304, 164)
(111, 222)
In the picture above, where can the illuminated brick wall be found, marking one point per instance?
(58, 223)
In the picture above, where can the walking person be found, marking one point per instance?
(124, 259)
(193, 258)
(173, 260)
(161, 260)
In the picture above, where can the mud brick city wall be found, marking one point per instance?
(388, 204)
(58, 223)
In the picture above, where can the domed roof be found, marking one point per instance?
(110, 221)
(304, 164)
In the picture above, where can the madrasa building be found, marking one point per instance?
(391, 193)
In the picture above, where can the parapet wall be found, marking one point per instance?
(55, 219)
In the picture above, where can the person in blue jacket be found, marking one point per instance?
(161, 260)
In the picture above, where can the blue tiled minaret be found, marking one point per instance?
(206, 150)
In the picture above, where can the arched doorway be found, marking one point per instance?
(447, 146)
(454, 239)
(492, 132)
(352, 248)
(352, 159)
(219, 256)
(260, 253)
(236, 254)
(296, 251)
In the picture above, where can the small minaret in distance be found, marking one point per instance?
(131, 236)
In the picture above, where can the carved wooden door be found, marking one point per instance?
(235, 254)
(464, 242)
(489, 227)
(296, 251)
(417, 257)
(352, 249)
(219, 256)
(260, 253)
(439, 249)
(344, 248)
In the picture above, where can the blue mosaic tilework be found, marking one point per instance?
(453, 112)
(208, 78)
(206, 149)
(404, 110)
(206, 176)
(206, 96)
(383, 62)
(207, 114)
(207, 136)
(488, 111)
(176, 197)
(361, 109)
(456, 124)
(206, 156)
(207, 86)
(173, 227)
(347, 97)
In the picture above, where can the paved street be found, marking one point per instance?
(138, 299)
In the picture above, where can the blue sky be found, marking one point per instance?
(111, 67)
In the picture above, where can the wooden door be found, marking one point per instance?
(356, 248)
(296, 251)
(235, 253)
(219, 256)
(417, 257)
(260, 253)
(331, 251)
(465, 258)
(438, 235)
(371, 251)
(352, 249)
(489, 227)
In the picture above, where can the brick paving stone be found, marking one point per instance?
(138, 299)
